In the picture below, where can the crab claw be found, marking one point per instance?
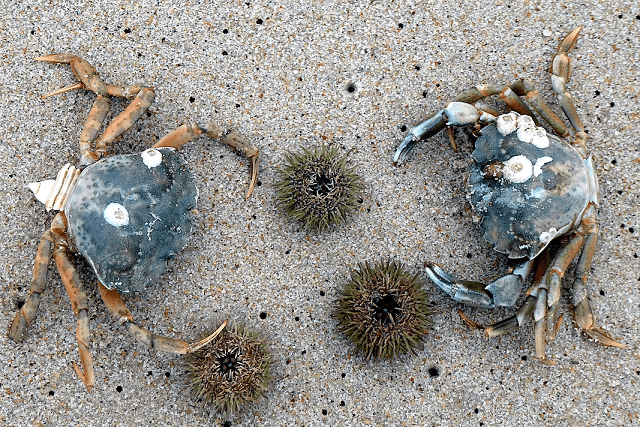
(455, 114)
(464, 291)
(501, 292)
(426, 129)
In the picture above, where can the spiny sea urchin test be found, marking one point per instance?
(232, 371)
(383, 310)
(318, 187)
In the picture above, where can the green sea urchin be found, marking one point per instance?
(231, 371)
(318, 187)
(383, 310)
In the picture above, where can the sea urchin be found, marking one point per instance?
(318, 187)
(233, 370)
(383, 310)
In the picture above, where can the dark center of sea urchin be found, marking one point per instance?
(229, 364)
(318, 188)
(231, 371)
(322, 184)
(383, 310)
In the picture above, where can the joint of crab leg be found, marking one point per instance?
(240, 144)
(515, 103)
(514, 322)
(86, 74)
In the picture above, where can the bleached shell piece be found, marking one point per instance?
(53, 193)
(537, 168)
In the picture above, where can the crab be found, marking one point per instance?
(125, 214)
(527, 188)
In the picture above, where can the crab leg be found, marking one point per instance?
(121, 313)
(583, 315)
(78, 298)
(526, 309)
(561, 262)
(89, 79)
(527, 90)
(185, 133)
(25, 316)
(560, 74)
(91, 128)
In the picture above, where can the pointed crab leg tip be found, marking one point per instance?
(74, 86)
(546, 361)
(56, 58)
(470, 323)
(601, 337)
(198, 345)
(569, 41)
(254, 175)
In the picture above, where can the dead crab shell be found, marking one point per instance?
(125, 214)
(521, 212)
(127, 217)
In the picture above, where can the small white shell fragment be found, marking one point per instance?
(151, 157)
(547, 236)
(116, 215)
(537, 168)
(42, 190)
(517, 169)
(53, 193)
(507, 123)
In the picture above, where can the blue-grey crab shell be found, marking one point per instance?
(128, 215)
(521, 218)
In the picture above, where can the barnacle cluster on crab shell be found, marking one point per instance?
(526, 128)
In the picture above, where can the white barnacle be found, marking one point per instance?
(547, 236)
(116, 214)
(540, 138)
(507, 123)
(517, 169)
(525, 121)
(151, 157)
(537, 168)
